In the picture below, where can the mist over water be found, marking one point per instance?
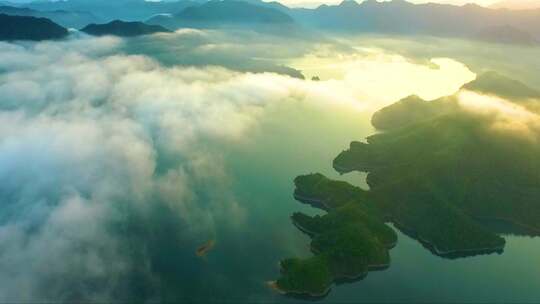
(119, 157)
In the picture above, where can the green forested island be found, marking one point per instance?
(436, 170)
(347, 242)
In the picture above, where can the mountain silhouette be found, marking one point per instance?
(218, 13)
(402, 17)
(69, 19)
(29, 28)
(122, 28)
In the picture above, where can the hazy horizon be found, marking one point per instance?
(311, 3)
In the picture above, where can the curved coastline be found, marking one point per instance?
(344, 170)
(313, 201)
(534, 231)
(433, 171)
(274, 286)
(456, 253)
(320, 203)
(346, 278)
(363, 240)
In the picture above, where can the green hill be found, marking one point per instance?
(347, 242)
(29, 28)
(436, 170)
(125, 29)
(223, 14)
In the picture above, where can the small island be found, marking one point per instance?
(437, 170)
(123, 29)
(204, 249)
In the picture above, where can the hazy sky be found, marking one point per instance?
(318, 2)
(312, 3)
(458, 2)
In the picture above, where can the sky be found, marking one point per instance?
(458, 2)
(312, 3)
(315, 3)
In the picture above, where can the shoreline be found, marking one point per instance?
(301, 228)
(343, 170)
(335, 280)
(315, 202)
(508, 221)
(432, 247)
(436, 250)
(273, 285)
(374, 267)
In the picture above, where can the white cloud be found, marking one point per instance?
(81, 140)
(504, 116)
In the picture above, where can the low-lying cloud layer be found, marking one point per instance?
(90, 143)
(503, 116)
(102, 154)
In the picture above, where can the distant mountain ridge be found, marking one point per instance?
(70, 19)
(29, 28)
(123, 29)
(393, 17)
(229, 12)
(517, 4)
(402, 17)
(506, 34)
(109, 10)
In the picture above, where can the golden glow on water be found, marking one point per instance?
(379, 78)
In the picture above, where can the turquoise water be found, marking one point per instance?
(262, 169)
